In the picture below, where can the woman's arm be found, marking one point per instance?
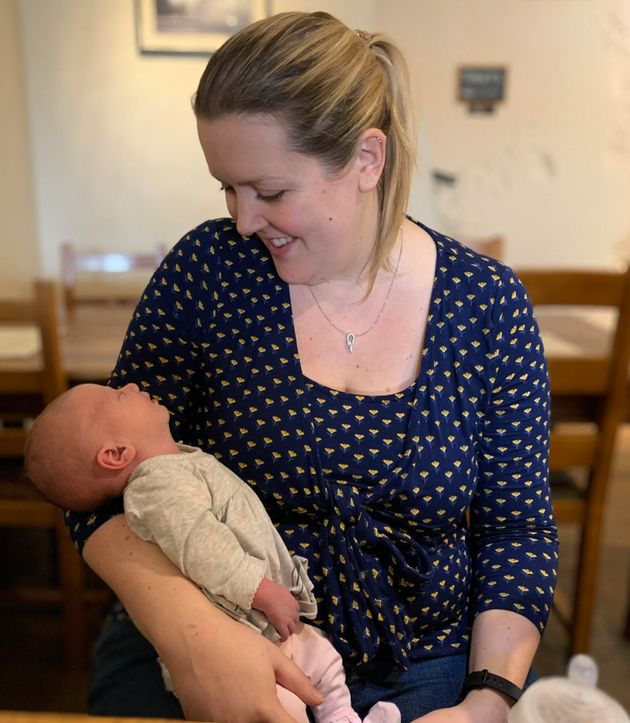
(202, 647)
(512, 533)
(504, 643)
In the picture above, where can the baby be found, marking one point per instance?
(94, 443)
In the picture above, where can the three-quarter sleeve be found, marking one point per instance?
(513, 534)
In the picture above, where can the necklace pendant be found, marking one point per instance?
(350, 339)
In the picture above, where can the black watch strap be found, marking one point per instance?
(485, 679)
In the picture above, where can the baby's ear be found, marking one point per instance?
(114, 456)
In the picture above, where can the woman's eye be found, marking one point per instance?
(269, 198)
(272, 197)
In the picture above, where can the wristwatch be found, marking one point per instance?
(486, 679)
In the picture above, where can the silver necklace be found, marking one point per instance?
(352, 336)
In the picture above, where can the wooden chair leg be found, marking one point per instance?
(74, 622)
(586, 585)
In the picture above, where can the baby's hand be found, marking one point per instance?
(279, 606)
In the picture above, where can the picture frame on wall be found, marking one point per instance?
(192, 27)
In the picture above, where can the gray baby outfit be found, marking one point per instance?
(213, 527)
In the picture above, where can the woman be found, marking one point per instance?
(369, 377)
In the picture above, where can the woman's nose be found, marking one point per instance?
(131, 387)
(247, 215)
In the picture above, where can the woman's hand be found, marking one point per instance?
(230, 686)
(222, 670)
(479, 706)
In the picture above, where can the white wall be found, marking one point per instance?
(550, 169)
(116, 157)
(18, 226)
(116, 162)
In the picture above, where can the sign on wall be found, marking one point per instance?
(481, 87)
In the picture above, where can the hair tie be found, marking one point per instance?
(366, 37)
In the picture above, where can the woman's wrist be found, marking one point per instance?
(487, 706)
(485, 679)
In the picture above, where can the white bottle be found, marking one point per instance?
(574, 699)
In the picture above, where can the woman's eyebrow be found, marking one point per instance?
(252, 181)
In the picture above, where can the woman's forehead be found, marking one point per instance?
(251, 150)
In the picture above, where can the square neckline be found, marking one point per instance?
(410, 388)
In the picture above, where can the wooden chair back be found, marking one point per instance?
(92, 276)
(491, 246)
(583, 435)
(26, 386)
(46, 379)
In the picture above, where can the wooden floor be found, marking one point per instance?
(33, 677)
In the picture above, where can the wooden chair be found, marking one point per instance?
(492, 246)
(25, 388)
(588, 405)
(91, 276)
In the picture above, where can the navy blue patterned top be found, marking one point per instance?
(372, 490)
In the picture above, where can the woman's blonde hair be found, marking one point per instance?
(328, 84)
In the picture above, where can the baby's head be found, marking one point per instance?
(84, 445)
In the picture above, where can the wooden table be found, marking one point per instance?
(9, 716)
(581, 333)
(584, 334)
(90, 343)
(92, 340)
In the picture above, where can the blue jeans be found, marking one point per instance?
(126, 677)
(127, 680)
(427, 685)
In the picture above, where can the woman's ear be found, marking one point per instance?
(115, 456)
(371, 158)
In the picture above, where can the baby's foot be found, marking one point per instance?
(383, 712)
(344, 715)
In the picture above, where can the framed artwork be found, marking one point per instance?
(192, 27)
